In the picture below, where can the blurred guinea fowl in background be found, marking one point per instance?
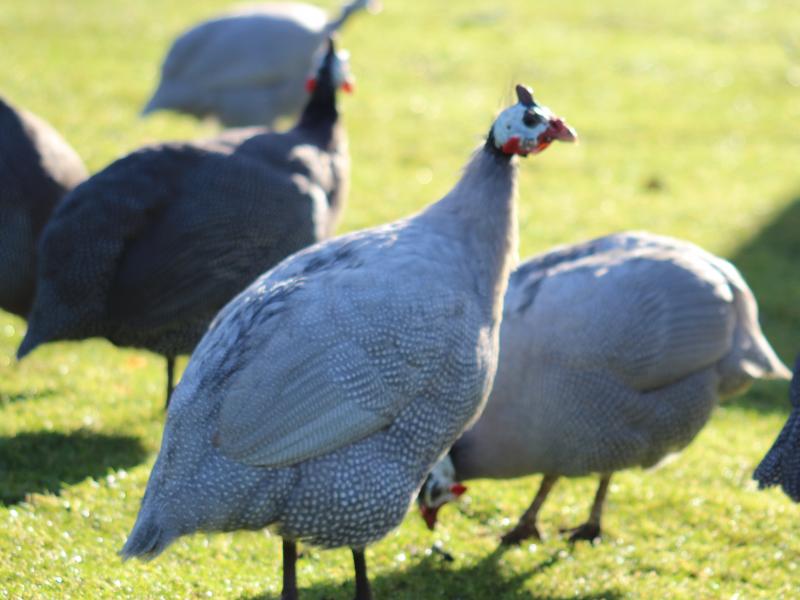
(148, 250)
(613, 354)
(322, 395)
(37, 167)
(248, 67)
(781, 465)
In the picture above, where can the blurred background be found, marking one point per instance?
(688, 116)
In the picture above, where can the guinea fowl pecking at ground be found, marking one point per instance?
(248, 67)
(613, 354)
(781, 465)
(37, 167)
(322, 395)
(147, 251)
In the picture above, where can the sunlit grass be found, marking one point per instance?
(688, 115)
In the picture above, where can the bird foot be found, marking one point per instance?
(521, 532)
(588, 531)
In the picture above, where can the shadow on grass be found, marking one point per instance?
(27, 396)
(44, 461)
(433, 579)
(769, 263)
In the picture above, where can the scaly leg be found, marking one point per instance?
(591, 529)
(526, 527)
(362, 581)
(170, 378)
(289, 571)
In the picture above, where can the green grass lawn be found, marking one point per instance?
(688, 115)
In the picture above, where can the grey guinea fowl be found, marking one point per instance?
(147, 251)
(613, 354)
(248, 67)
(37, 167)
(321, 396)
(781, 465)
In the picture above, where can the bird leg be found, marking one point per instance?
(590, 530)
(362, 581)
(526, 527)
(289, 591)
(170, 377)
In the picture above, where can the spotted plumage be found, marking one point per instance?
(781, 465)
(322, 394)
(613, 354)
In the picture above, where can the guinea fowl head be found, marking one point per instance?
(332, 72)
(527, 127)
(439, 488)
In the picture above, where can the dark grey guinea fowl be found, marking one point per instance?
(781, 465)
(147, 251)
(37, 167)
(321, 395)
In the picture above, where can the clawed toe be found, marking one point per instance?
(588, 532)
(520, 533)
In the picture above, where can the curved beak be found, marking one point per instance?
(560, 131)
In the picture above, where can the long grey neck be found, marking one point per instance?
(481, 212)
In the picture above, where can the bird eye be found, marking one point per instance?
(436, 492)
(531, 118)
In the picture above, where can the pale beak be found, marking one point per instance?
(559, 130)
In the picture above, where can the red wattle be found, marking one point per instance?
(512, 146)
(457, 489)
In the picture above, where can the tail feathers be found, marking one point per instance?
(781, 465)
(28, 345)
(763, 363)
(147, 540)
(155, 103)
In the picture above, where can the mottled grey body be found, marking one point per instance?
(37, 167)
(613, 355)
(781, 465)
(248, 67)
(147, 251)
(323, 394)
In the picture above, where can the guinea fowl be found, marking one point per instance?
(323, 394)
(781, 465)
(147, 251)
(613, 354)
(37, 167)
(247, 67)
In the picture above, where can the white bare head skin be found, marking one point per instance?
(341, 75)
(528, 128)
(439, 488)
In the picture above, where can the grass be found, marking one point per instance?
(688, 115)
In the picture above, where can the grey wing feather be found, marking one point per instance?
(651, 318)
(185, 258)
(324, 374)
(287, 407)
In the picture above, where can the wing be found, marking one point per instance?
(213, 239)
(242, 50)
(650, 317)
(309, 372)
